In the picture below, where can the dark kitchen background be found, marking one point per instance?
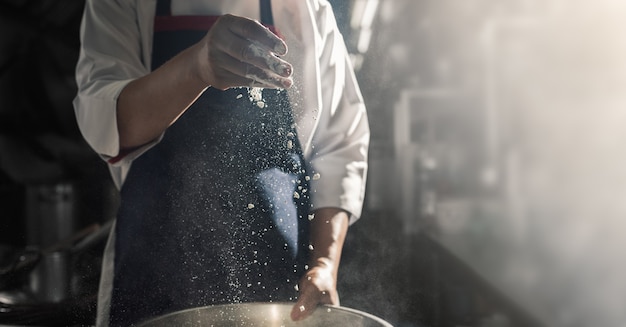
(497, 170)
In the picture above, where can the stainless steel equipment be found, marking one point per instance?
(265, 315)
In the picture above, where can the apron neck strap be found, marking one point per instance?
(266, 12)
(164, 8)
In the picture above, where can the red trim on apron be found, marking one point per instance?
(120, 156)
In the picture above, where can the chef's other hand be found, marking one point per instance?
(238, 51)
(318, 286)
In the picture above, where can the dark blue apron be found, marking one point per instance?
(217, 211)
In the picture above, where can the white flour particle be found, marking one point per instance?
(256, 93)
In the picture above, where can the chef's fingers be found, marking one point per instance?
(307, 302)
(252, 30)
(238, 51)
(312, 293)
(251, 52)
(233, 72)
(272, 81)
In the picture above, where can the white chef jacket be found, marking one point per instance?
(328, 107)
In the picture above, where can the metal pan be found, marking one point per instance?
(265, 315)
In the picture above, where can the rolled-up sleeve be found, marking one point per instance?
(110, 57)
(341, 138)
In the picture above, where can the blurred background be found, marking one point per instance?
(497, 169)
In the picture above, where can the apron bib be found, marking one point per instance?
(217, 211)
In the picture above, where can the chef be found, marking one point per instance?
(238, 137)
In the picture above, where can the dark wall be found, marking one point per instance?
(40, 144)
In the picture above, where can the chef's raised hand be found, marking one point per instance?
(238, 51)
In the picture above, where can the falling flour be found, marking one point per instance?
(255, 94)
(315, 177)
